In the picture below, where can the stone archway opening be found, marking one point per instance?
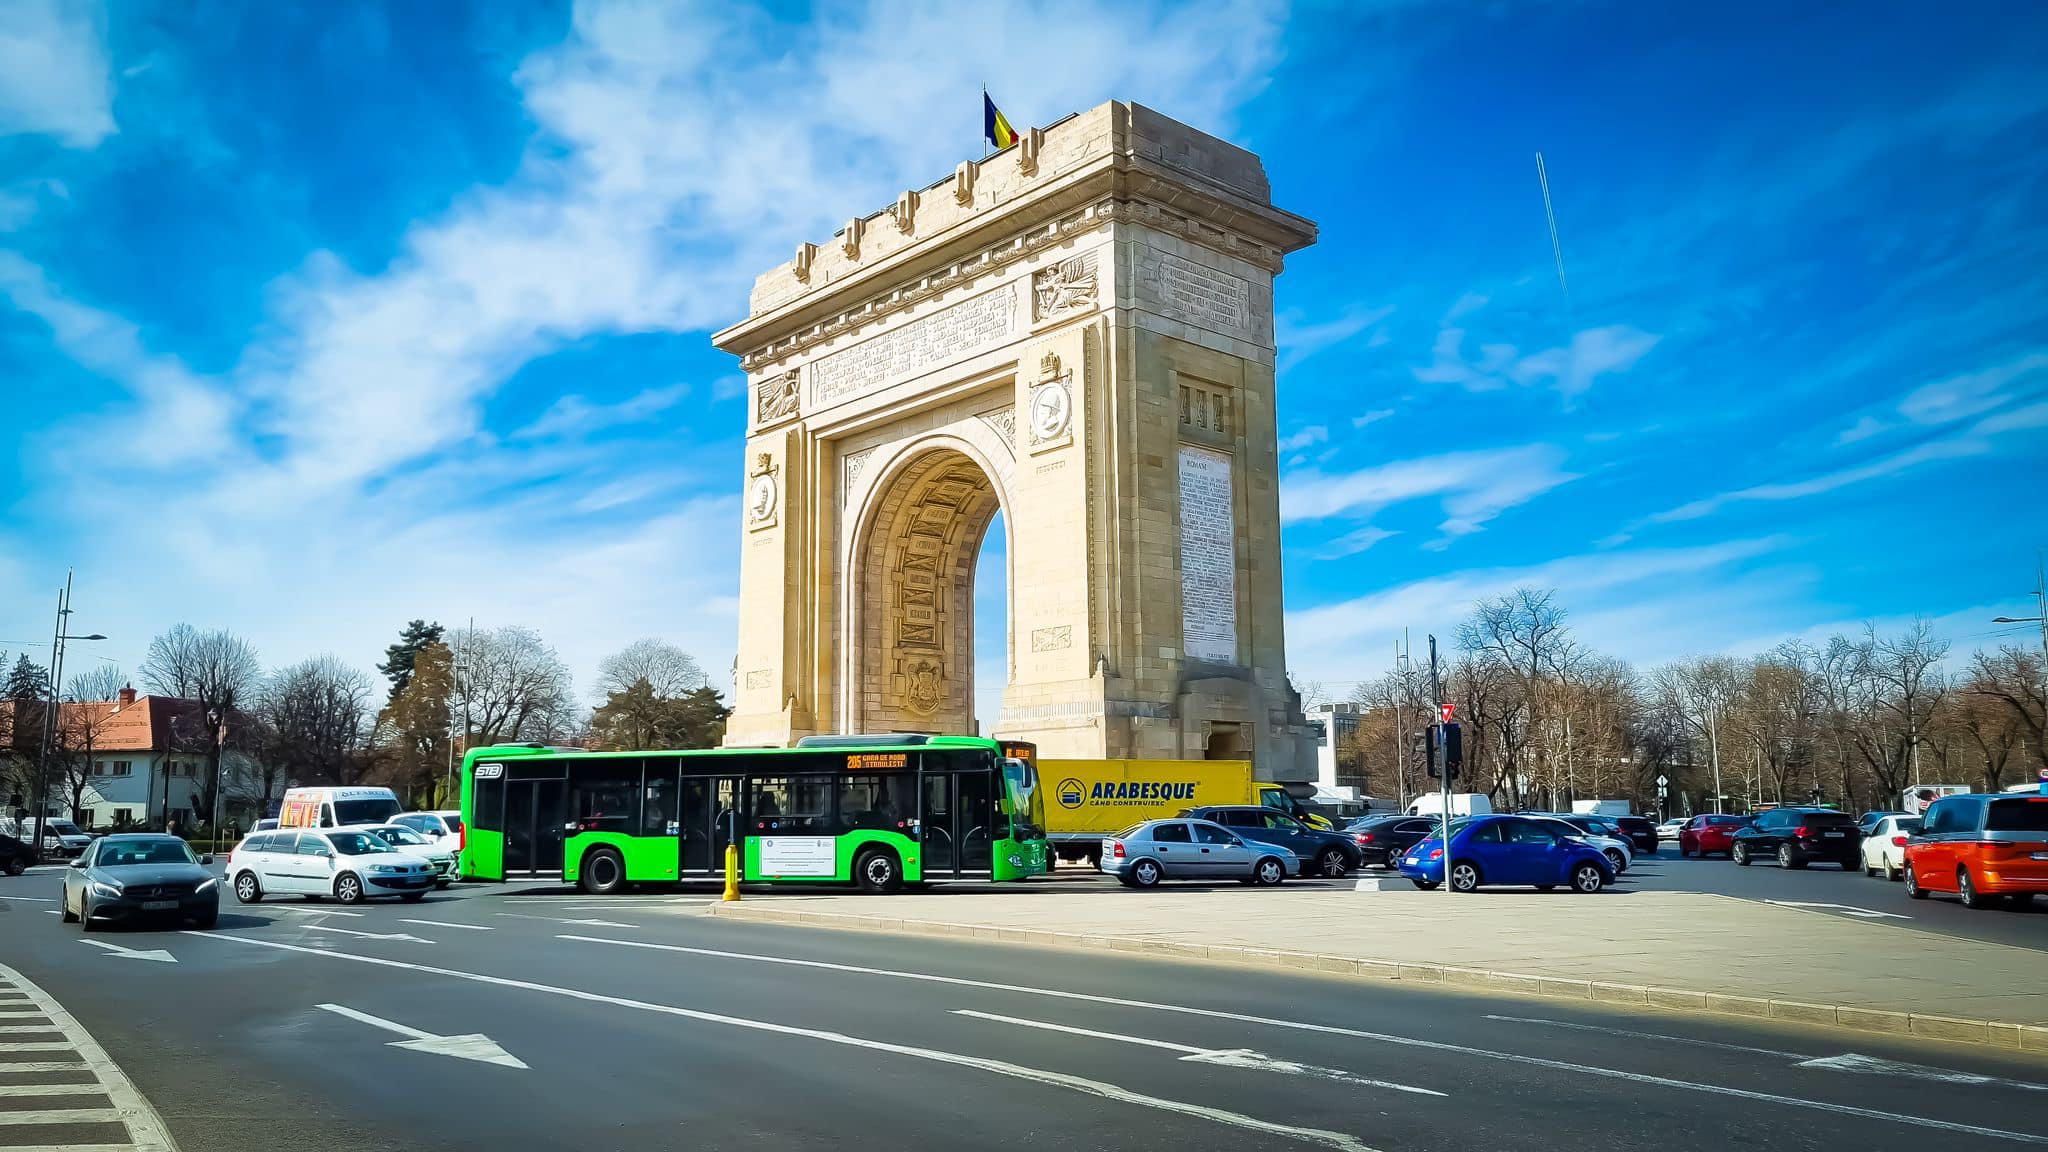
(914, 670)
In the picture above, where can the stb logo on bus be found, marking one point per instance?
(489, 771)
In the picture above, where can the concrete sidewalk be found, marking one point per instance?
(1666, 951)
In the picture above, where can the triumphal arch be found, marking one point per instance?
(1077, 332)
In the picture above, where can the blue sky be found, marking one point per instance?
(315, 318)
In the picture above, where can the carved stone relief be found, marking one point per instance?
(924, 685)
(920, 345)
(775, 398)
(1004, 421)
(1068, 286)
(854, 463)
(1052, 639)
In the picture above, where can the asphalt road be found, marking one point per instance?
(639, 1023)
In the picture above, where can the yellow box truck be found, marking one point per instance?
(1086, 800)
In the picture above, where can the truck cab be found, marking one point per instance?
(1272, 795)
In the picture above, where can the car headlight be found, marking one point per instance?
(384, 870)
(110, 891)
(208, 884)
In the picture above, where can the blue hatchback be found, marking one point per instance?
(1507, 850)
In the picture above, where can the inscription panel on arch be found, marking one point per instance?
(1208, 556)
(928, 342)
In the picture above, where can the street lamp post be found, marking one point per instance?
(58, 637)
(215, 720)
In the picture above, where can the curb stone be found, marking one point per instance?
(1671, 1001)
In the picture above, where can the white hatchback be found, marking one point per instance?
(1884, 850)
(346, 863)
(414, 844)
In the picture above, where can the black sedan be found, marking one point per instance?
(138, 877)
(1382, 839)
(1641, 832)
(1330, 855)
(15, 856)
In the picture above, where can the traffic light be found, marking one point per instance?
(1446, 751)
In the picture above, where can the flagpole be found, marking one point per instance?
(984, 122)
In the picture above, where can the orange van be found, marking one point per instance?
(1987, 849)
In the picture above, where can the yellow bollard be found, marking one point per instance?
(732, 872)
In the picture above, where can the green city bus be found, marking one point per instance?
(877, 811)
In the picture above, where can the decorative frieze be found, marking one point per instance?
(1052, 639)
(775, 398)
(916, 347)
(1066, 287)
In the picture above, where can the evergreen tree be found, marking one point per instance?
(640, 717)
(400, 657)
(28, 681)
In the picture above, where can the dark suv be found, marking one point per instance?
(1796, 837)
(1328, 854)
(1381, 839)
(1641, 832)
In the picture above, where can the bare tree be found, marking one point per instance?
(511, 686)
(219, 671)
(1524, 634)
(1701, 692)
(2017, 680)
(671, 672)
(316, 716)
(75, 745)
(1900, 684)
(101, 682)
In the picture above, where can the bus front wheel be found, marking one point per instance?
(878, 871)
(603, 872)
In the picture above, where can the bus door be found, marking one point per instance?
(709, 808)
(535, 813)
(956, 824)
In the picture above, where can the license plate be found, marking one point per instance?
(1834, 835)
(1411, 860)
(158, 905)
(2039, 856)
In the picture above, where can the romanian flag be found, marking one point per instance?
(994, 125)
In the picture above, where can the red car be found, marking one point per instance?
(1987, 849)
(1708, 834)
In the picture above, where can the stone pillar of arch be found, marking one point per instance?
(1077, 332)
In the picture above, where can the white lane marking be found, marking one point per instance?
(368, 935)
(468, 1046)
(1865, 913)
(81, 1089)
(34, 1046)
(448, 924)
(1652, 1036)
(63, 1116)
(156, 954)
(1339, 1140)
(32, 899)
(19, 1028)
(1230, 1057)
(317, 912)
(565, 920)
(51, 912)
(1570, 1069)
(146, 1132)
(1873, 1066)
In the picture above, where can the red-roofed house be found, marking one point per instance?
(140, 757)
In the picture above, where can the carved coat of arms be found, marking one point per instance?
(925, 689)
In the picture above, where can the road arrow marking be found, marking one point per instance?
(1873, 1066)
(1228, 1057)
(156, 954)
(368, 935)
(471, 1046)
(1866, 913)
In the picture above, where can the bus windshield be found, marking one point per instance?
(1026, 804)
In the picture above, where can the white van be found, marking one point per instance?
(1462, 804)
(337, 807)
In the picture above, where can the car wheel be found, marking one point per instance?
(1125, 880)
(247, 890)
(1464, 876)
(1332, 864)
(1587, 878)
(1967, 890)
(16, 866)
(85, 923)
(1425, 885)
(69, 916)
(603, 872)
(1146, 874)
(1615, 859)
(1740, 854)
(348, 888)
(1269, 872)
(1913, 888)
(878, 872)
(1891, 872)
(1868, 869)
(1788, 858)
(1683, 852)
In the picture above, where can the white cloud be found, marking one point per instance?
(1300, 340)
(1474, 486)
(1943, 404)
(679, 149)
(1307, 437)
(1372, 417)
(54, 77)
(1570, 369)
(1353, 542)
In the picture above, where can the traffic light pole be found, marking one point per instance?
(1437, 759)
